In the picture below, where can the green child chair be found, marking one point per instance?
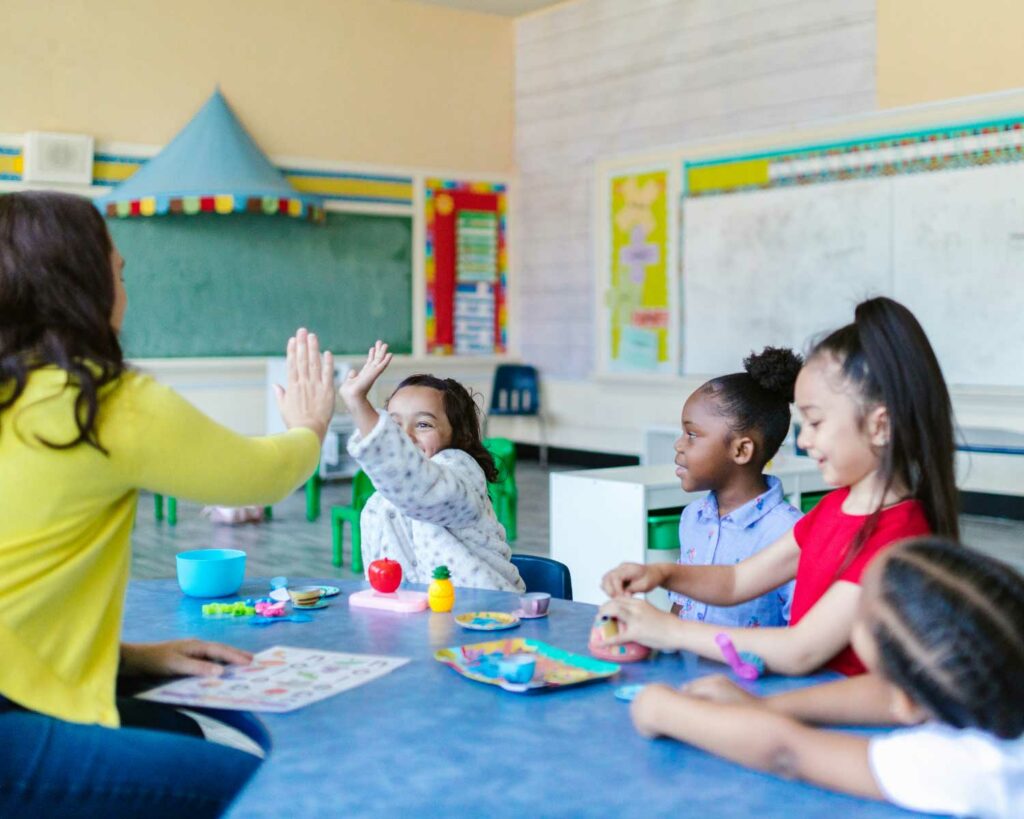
(362, 491)
(172, 509)
(503, 492)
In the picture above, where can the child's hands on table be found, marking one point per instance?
(648, 709)
(628, 579)
(180, 658)
(719, 688)
(640, 622)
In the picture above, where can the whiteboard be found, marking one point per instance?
(781, 266)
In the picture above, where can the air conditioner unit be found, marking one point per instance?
(63, 159)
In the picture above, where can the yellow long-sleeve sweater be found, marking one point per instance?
(66, 519)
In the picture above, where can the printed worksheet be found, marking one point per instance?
(279, 679)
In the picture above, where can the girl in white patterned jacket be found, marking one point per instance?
(424, 454)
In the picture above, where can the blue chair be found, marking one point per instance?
(542, 574)
(516, 391)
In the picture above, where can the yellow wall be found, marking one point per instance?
(936, 49)
(375, 81)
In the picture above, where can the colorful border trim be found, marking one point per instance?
(988, 142)
(220, 203)
(332, 186)
(10, 164)
(432, 188)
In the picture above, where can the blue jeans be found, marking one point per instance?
(49, 767)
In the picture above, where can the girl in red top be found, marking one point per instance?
(878, 420)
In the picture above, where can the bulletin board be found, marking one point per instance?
(638, 284)
(466, 267)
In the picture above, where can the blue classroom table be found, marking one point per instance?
(424, 741)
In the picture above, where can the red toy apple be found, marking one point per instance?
(385, 575)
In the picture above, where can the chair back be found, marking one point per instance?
(516, 390)
(362, 490)
(542, 574)
(504, 453)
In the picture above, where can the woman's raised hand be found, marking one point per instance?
(357, 385)
(308, 400)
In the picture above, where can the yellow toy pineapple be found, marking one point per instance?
(441, 592)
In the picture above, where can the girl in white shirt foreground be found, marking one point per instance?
(941, 631)
(430, 468)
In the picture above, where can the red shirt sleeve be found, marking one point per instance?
(826, 506)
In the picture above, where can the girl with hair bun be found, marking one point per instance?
(878, 420)
(731, 427)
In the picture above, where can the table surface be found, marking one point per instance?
(423, 738)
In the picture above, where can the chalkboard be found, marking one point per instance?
(240, 284)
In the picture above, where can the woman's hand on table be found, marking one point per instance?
(174, 658)
(719, 688)
(640, 622)
(628, 579)
(308, 399)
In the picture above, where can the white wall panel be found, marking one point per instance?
(598, 78)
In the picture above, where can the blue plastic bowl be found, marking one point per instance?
(211, 572)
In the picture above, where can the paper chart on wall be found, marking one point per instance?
(279, 679)
(637, 298)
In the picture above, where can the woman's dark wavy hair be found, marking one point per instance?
(887, 358)
(463, 415)
(758, 399)
(950, 633)
(56, 300)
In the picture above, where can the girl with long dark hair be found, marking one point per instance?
(941, 629)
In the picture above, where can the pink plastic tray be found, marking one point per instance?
(406, 601)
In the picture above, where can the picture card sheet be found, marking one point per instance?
(279, 679)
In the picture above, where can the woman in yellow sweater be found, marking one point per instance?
(80, 434)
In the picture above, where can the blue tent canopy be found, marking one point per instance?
(214, 166)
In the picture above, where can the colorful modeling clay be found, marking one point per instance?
(236, 609)
(269, 609)
(746, 666)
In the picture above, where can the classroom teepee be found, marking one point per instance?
(211, 166)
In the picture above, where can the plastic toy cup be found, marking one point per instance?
(306, 595)
(211, 572)
(534, 604)
(517, 668)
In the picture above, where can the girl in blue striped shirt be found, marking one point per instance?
(731, 427)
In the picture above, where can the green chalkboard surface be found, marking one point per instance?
(210, 285)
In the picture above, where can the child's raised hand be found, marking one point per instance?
(628, 579)
(358, 384)
(719, 688)
(640, 622)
